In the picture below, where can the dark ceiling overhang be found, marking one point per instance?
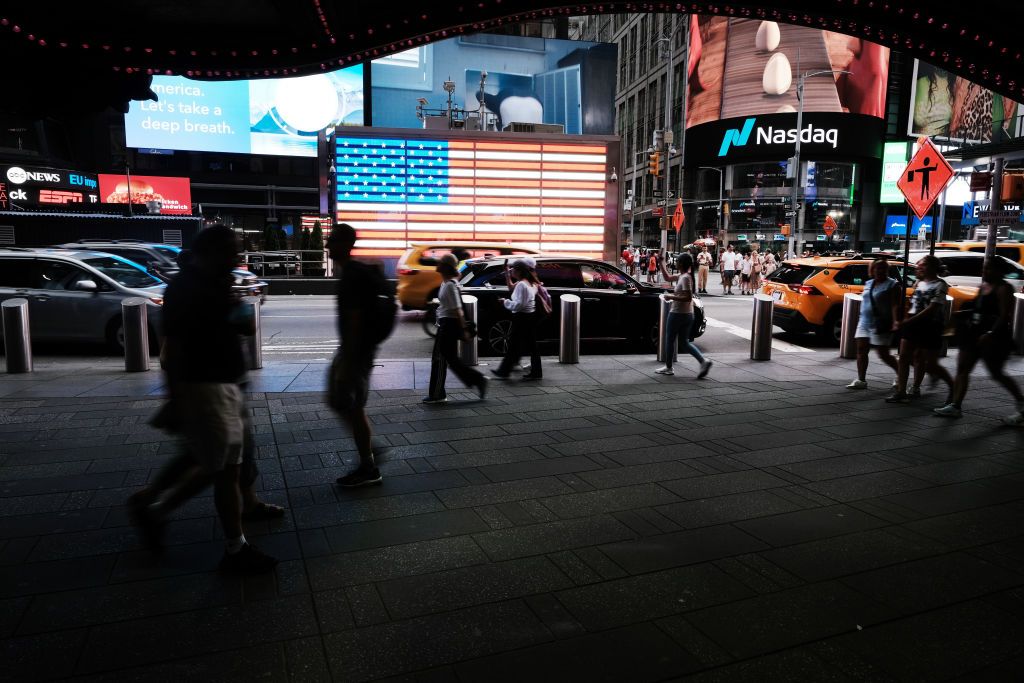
(81, 56)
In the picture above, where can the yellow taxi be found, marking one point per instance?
(808, 292)
(1011, 250)
(418, 280)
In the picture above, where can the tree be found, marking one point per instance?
(304, 242)
(316, 248)
(282, 238)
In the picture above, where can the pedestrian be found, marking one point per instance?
(756, 266)
(203, 360)
(729, 264)
(987, 336)
(680, 317)
(879, 311)
(769, 263)
(451, 327)
(921, 332)
(364, 306)
(627, 260)
(703, 268)
(745, 265)
(522, 335)
(652, 266)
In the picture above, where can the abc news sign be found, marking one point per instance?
(33, 185)
(772, 137)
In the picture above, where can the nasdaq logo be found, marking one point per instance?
(736, 137)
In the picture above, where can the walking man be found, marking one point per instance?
(703, 268)
(451, 327)
(729, 262)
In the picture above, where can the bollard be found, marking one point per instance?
(569, 330)
(17, 342)
(947, 317)
(135, 326)
(761, 328)
(253, 342)
(851, 316)
(663, 311)
(468, 349)
(1018, 323)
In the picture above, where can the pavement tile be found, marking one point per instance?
(832, 466)
(404, 529)
(731, 508)
(505, 544)
(807, 525)
(52, 523)
(637, 474)
(723, 484)
(939, 500)
(79, 482)
(489, 494)
(681, 548)
(537, 468)
(973, 527)
(41, 657)
(797, 664)
(871, 485)
(608, 500)
(352, 511)
(11, 611)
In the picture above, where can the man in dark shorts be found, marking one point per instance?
(349, 381)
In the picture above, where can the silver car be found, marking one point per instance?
(76, 295)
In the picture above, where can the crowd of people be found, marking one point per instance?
(745, 269)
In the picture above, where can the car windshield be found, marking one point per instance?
(792, 274)
(123, 271)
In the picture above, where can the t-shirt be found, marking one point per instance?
(745, 266)
(683, 284)
(358, 285)
(729, 260)
(652, 263)
(524, 298)
(450, 301)
(703, 259)
(880, 294)
(925, 293)
(627, 256)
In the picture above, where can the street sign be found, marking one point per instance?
(999, 217)
(924, 177)
(830, 226)
(678, 217)
(658, 211)
(981, 181)
(922, 233)
(968, 217)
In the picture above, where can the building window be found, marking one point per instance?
(623, 57)
(632, 54)
(644, 25)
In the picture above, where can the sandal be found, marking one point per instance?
(263, 511)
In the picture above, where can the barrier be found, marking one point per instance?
(851, 316)
(761, 327)
(663, 311)
(468, 349)
(1018, 323)
(135, 327)
(569, 330)
(17, 342)
(253, 343)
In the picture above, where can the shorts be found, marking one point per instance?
(926, 335)
(875, 338)
(348, 381)
(729, 275)
(745, 277)
(213, 422)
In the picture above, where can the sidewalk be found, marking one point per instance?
(604, 524)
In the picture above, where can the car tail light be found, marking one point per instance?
(804, 289)
(157, 300)
(407, 271)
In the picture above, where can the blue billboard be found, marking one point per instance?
(897, 225)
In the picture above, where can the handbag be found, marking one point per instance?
(542, 302)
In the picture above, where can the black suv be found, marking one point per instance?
(614, 305)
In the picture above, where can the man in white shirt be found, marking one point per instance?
(730, 259)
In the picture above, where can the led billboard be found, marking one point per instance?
(946, 106)
(279, 116)
(174, 194)
(894, 162)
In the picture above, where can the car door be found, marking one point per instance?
(559, 278)
(605, 292)
(963, 270)
(60, 310)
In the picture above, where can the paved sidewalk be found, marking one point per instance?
(606, 524)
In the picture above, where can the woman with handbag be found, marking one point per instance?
(987, 336)
(921, 333)
(756, 266)
(878, 314)
(451, 327)
(680, 318)
(522, 335)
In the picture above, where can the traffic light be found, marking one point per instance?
(654, 164)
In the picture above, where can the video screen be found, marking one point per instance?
(527, 80)
(748, 67)
(946, 106)
(278, 116)
(174, 194)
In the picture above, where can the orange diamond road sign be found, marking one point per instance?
(924, 177)
(678, 217)
(830, 226)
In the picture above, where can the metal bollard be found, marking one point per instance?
(468, 349)
(17, 342)
(663, 311)
(851, 316)
(1018, 323)
(253, 342)
(569, 330)
(135, 323)
(761, 328)
(947, 317)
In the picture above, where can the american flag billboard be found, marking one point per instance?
(547, 195)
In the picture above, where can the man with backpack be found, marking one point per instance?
(366, 317)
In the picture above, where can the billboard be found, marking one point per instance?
(527, 80)
(894, 160)
(746, 67)
(279, 116)
(395, 190)
(946, 106)
(175, 194)
(897, 225)
(35, 185)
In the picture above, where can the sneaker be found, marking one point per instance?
(897, 397)
(915, 392)
(857, 384)
(360, 477)
(481, 387)
(705, 368)
(948, 410)
(431, 401)
(247, 561)
(665, 371)
(1015, 420)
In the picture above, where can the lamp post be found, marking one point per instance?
(721, 188)
(667, 136)
(795, 165)
(632, 197)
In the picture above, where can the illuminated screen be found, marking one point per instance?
(279, 116)
(546, 196)
(946, 106)
(747, 67)
(894, 162)
(174, 194)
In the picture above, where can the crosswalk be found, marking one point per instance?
(738, 331)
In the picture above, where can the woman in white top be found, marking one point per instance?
(451, 327)
(756, 266)
(769, 264)
(680, 317)
(522, 336)
(745, 274)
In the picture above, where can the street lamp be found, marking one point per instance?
(632, 196)
(721, 187)
(667, 134)
(795, 166)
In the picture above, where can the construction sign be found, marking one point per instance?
(924, 177)
(830, 226)
(678, 217)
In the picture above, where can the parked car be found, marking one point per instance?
(963, 268)
(162, 261)
(614, 305)
(76, 295)
(418, 281)
(1011, 250)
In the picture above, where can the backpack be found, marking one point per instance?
(385, 310)
(542, 302)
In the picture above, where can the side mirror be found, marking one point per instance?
(86, 286)
(632, 290)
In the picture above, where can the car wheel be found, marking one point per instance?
(498, 335)
(115, 335)
(430, 321)
(831, 330)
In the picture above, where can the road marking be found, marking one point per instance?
(745, 334)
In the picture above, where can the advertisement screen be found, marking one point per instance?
(175, 194)
(946, 106)
(34, 185)
(894, 161)
(897, 225)
(746, 67)
(278, 116)
(547, 196)
(528, 80)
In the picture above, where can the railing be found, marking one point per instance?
(288, 263)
